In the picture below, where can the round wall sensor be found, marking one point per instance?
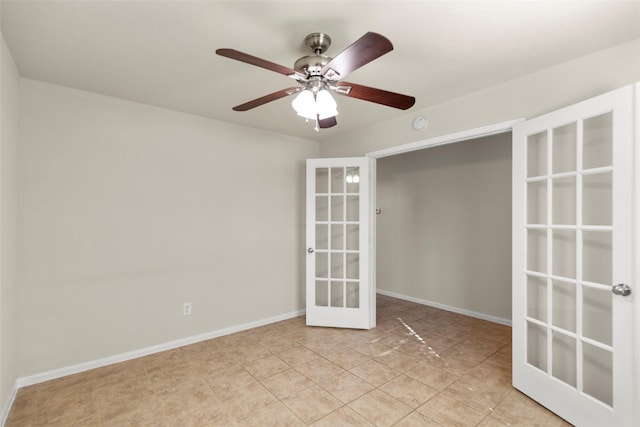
(419, 123)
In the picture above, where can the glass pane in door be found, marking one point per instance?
(563, 249)
(322, 208)
(353, 237)
(598, 141)
(597, 257)
(353, 294)
(537, 346)
(337, 208)
(537, 202)
(564, 305)
(322, 264)
(353, 180)
(537, 250)
(337, 294)
(597, 199)
(353, 266)
(322, 236)
(564, 148)
(564, 201)
(537, 298)
(598, 373)
(537, 154)
(322, 180)
(337, 180)
(596, 314)
(564, 358)
(322, 293)
(337, 237)
(568, 299)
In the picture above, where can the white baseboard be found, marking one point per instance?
(470, 313)
(86, 366)
(8, 404)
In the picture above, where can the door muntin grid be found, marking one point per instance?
(569, 246)
(337, 237)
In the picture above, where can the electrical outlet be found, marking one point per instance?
(186, 309)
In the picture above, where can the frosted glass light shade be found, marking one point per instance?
(319, 106)
(305, 105)
(326, 105)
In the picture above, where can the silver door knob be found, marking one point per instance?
(310, 250)
(621, 289)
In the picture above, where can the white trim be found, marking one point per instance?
(8, 404)
(373, 188)
(464, 135)
(86, 366)
(635, 284)
(470, 313)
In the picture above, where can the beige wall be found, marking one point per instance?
(527, 96)
(444, 233)
(9, 97)
(127, 211)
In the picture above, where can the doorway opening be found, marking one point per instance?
(443, 202)
(444, 227)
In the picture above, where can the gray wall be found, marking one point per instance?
(444, 234)
(127, 211)
(9, 95)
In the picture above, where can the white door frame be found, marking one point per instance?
(493, 129)
(635, 220)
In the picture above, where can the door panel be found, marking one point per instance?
(339, 287)
(572, 226)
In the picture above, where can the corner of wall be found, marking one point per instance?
(9, 107)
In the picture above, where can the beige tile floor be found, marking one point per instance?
(420, 366)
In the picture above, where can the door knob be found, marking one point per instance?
(621, 289)
(310, 250)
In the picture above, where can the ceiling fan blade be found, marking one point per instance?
(267, 98)
(259, 62)
(327, 123)
(361, 52)
(379, 96)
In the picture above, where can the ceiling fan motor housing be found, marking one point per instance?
(318, 42)
(313, 64)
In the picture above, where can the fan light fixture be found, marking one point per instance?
(315, 106)
(318, 74)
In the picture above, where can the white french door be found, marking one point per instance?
(573, 314)
(339, 277)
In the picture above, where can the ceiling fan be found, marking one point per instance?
(319, 74)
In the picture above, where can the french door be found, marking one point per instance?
(339, 272)
(573, 311)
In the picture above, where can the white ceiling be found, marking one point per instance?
(162, 52)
